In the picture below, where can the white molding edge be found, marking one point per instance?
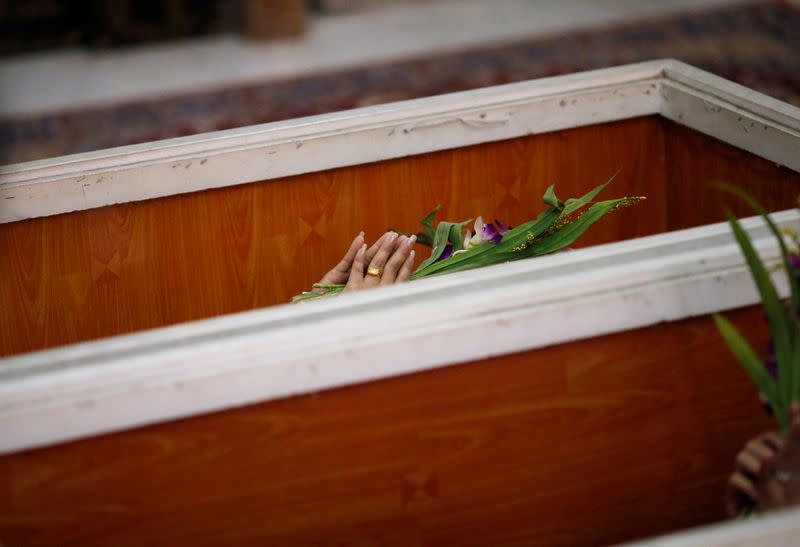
(732, 113)
(153, 376)
(779, 529)
(679, 92)
(292, 147)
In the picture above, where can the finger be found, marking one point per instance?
(340, 272)
(760, 449)
(743, 486)
(748, 464)
(734, 499)
(356, 280)
(346, 262)
(372, 251)
(407, 269)
(773, 440)
(767, 470)
(402, 250)
(380, 258)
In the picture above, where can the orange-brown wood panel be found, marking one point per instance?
(129, 267)
(694, 161)
(586, 443)
(134, 266)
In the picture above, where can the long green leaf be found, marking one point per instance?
(425, 237)
(573, 204)
(794, 284)
(473, 258)
(457, 234)
(550, 198)
(446, 232)
(567, 234)
(439, 243)
(752, 365)
(775, 311)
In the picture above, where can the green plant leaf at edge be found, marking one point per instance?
(776, 316)
(752, 365)
(445, 231)
(573, 204)
(794, 285)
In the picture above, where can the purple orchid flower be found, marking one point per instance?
(447, 253)
(484, 232)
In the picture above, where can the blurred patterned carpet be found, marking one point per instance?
(757, 45)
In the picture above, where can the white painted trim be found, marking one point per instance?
(732, 113)
(225, 158)
(205, 366)
(779, 529)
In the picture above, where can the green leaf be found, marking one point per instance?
(482, 255)
(752, 365)
(537, 226)
(758, 208)
(440, 240)
(569, 233)
(427, 222)
(550, 198)
(573, 204)
(457, 234)
(445, 232)
(776, 315)
(426, 236)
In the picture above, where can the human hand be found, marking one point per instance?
(750, 472)
(767, 472)
(340, 274)
(393, 262)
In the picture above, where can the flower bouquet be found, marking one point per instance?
(778, 377)
(455, 250)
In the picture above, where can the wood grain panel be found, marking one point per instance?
(694, 161)
(129, 267)
(587, 443)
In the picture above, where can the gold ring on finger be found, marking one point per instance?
(377, 272)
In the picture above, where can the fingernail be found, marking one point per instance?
(364, 248)
(393, 236)
(360, 234)
(411, 256)
(411, 240)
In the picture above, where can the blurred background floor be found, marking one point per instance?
(76, 100)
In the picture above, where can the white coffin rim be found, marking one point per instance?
(161, 374)
(686, 95)
(780, 529)
(153, 376)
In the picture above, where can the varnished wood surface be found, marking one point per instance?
(588, 443)
(128, 267)
(694, 161)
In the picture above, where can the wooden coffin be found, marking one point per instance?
(154, 391)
